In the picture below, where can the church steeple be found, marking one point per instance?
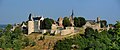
(72, 18)
(72, 14)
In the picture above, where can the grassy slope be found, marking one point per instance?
(49, 41)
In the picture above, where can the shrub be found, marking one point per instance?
(33, 43)
(42, 38)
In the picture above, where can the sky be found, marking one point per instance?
(16, 11)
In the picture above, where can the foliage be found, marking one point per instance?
(42, 38)
(46, 33)
(52, 21)
(33, 43)
(66, 22)
(117, 25)
(92, 40)
(79, 21)
(52, 34)
(13, 39)
(103, 23)
(46, 23)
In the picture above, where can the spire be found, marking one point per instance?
(72, 14)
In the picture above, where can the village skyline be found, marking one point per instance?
(17, 11)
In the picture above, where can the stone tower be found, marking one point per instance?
(98, 23)
(98, 19)
(60, 21)
(71, 18)
(30, 24)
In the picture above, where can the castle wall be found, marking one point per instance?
(68, 30)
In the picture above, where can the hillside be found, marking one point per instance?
(48, 42)
(92, 40)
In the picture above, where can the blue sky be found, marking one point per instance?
(16, 11)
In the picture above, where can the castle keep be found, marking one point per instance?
(34, 23)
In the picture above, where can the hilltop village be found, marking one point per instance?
(39, 24)
(65, 33)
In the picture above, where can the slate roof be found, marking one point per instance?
(37, 18)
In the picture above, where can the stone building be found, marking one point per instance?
(60, 21)
(59, 28)
(93, 24)
(97, 24)
(34, 23)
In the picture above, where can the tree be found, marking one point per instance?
(12, 39)
(76, 21)
(52, 21)
(89, 32)
(92, 40)
(103, 23)
(117, 25)
(46, 23)
(79, 21)
(66, 22)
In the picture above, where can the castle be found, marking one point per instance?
(93, 24)
(34, 25)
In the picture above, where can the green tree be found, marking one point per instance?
(79, 21)
(46, 23)
(117, 25)
(12, 39)
(52, 21)
(103, 23)
(89, 32)
(92, 40)
(66, 22)
(76, 21)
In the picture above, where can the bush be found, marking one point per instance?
(46, 33)
(52, 34)
(42, 38)
(33, 43)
